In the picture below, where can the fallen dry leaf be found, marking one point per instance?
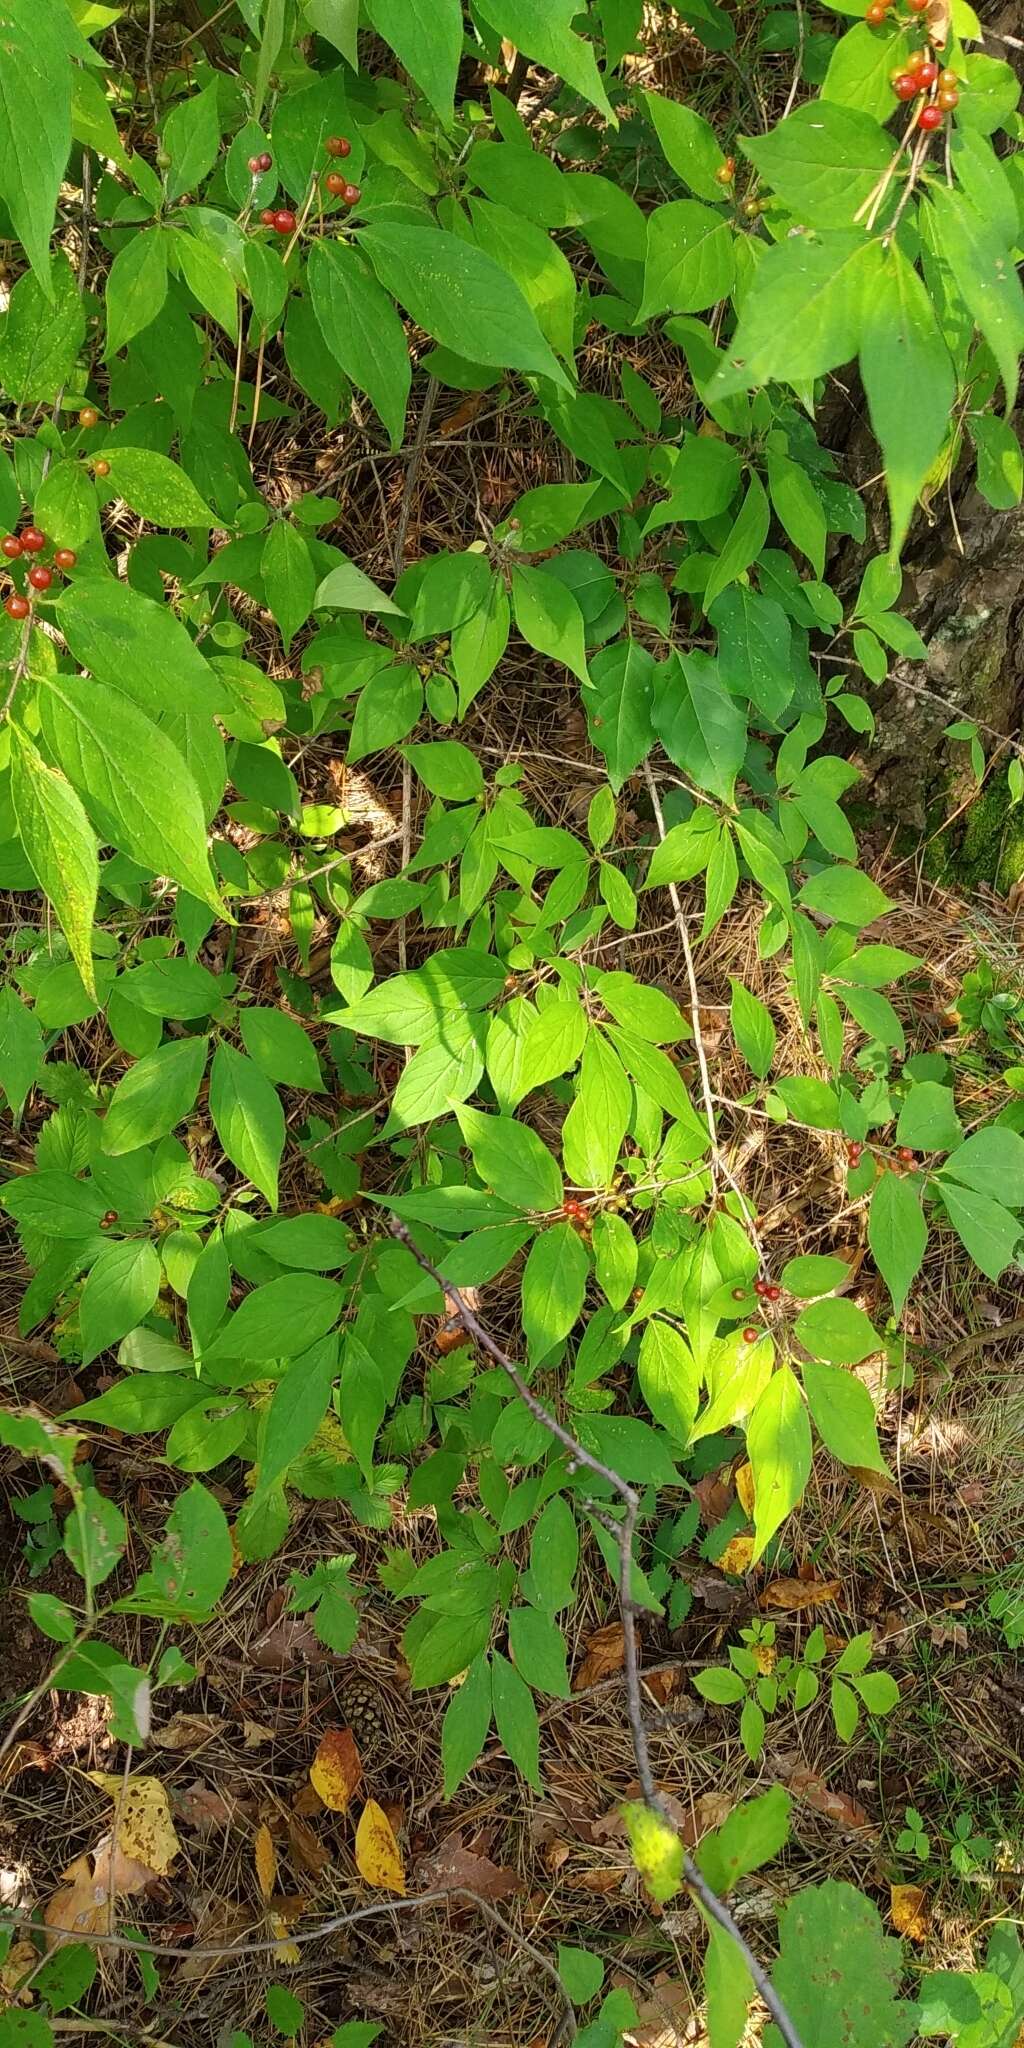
(222, 1922)
(605, 1654)
(378, 1858)
(735, 1558)
(792, 1595)
(287, 1952)
(185, 1732)
(453, 1867)
(200, 1807)
(743, 1481)
(909, 1912)
(837, 1806)
(83, 1904)
(265, 1858)
(307, 1851)
(255, 1734)
(142, 1819)
(289, 1641)
(664, 2018)
(336, 1769)
(715, 1498)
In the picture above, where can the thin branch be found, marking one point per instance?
(579, 1457)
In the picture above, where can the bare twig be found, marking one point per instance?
(625, 1530)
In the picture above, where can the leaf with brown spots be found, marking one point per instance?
(909, 1911)
(735, 1558)
(142, 1823)
(791, 1596)
(336, 1769)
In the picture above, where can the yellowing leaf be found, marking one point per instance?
(378, 1858)
(142, 1826)
(744, 1484)
(657, 1850)
(286, 1951)
(736, 1556)
(908, 1911)
(336, 1769)
(266, 1861)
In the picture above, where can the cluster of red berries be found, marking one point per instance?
(280, 218)
(876, 10)
(766, 1291)
(854, 1152)
(30, 541)
(922, 74)
(263, 162)
(576, 1213)
(337, 185)
(108, 1219)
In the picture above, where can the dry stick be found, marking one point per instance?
(719, 1163)
(713, 1906)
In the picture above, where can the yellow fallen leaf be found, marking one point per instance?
(378, 1858)
(142, 1824)
(744, 1484)
(266, 1861)
(908, 1911)
(736, 1556)
(336, 1769)
(83, 1903)
(286, 1951)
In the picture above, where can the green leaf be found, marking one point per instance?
(897, 1234)
(779, 1449)
(362, 330)
(988, 1231)
(691, 261)
(65, 505)
(593, 1131)
(210, 280)
(753, 1029)
(798, 509)
(515, 1718)
(465, 1725)
(537, 1646)
(845, 894)
(136, 287)
(582, 1973)
(120, 1290)
(822, 161)
(191, 137)
(132, 780)
(838, 1974)
(280, 1048)
(689, 144)
(754, 647)
(747, 537)
(35, 122)
(154, 1096)
(289, 578)
(992, 1161)
(1000, 461)
(389, 707)
(549, 618)
(542, 29)
(805, 315)
(928, 1121)
(296, 1411)
(838, 1330)
(448, 769)
(908, 381)
(844, 1414)
(409, 1009)
(860, 69)
(669, 1379)
(21, 1050)
(279, 1320)
(137, 645)
(617, 699)
(986, 278)
(460, 296)
(61, 846)
(192, 1566)
(701, 727)
(156, 488)
(554, 1283)
(723, 1687)
(426, 37)
(41, 334)
(754, 1832)
(512, 1159)
(248, 1118)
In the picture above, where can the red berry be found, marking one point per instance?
(926, 73)
(17, 607)
(284, 221)
(268, 217)
(101, 468)
(750, 1336)
(335, 183)
(930, 117)
(11, 546)
(40, 577)
(761, 1287)
(775, 1294)
(65, 558)
(739, 1293)
(265, 160)
(352, 195)
(33, 541)
(338, 145)
(905, 87)
(88, 417)
(947, 98)
(255, 165)
(875, 14)
(918, 6)
(906, 1155)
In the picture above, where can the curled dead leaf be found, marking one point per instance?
(791, 1596)
(265, 1857)
(185, 1732)
(938, 16)
(909, 1911)
(453, 1867)
(142, 1820)
(199, 1806)
(308, 1853)
(378, 1858)
(84, 1901)
(605, 1654)
(837, 1806)
(336, 1769)
(222, 1922)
